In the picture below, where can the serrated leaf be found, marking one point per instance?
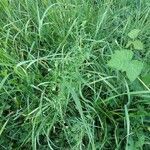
(134, 69)
(120, 59)
(134, 33)
(138, 45)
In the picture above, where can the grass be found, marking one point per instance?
(56, 89)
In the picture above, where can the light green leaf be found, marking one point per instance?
(138, 45)
(134, 69)
(130, 145)
(134, 33)
(3, 127)
(120, 59)
(128, 44)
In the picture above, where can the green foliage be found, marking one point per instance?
(134, 69)
(122, 60)
(57, 91)
(146, 79)
(133, 34)
(138, 143)
(137, 44)
(129, 44)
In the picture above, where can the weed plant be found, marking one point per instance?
(75, 74)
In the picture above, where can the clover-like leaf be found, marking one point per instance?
(138, 45)
(134, 33)
(134, 69)
(120, 59)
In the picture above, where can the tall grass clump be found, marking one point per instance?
(57, 91)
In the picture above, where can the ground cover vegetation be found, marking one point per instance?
(75, 74)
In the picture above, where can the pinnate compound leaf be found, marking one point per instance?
(134, 69)
(138, 45)
(134, 33)
(120, 59)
